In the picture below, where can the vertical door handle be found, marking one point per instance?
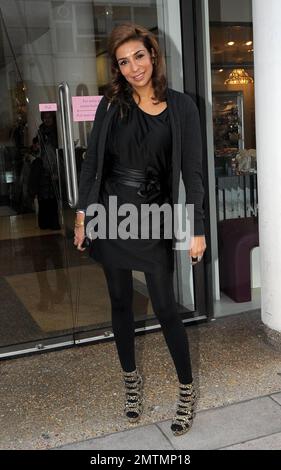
(68, 145)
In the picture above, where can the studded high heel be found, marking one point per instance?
(185, 413)
(134, 395)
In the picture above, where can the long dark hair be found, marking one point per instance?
(119, 89)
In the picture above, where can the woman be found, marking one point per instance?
(143, 136)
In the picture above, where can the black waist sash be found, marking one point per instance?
(144, 180)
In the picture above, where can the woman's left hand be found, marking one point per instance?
(197, 248)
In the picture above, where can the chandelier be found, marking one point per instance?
(239, 77)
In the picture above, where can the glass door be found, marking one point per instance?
(36, 303)
(53, 294)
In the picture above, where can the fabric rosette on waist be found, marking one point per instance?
(152, 182)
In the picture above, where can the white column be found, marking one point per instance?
(267, 43)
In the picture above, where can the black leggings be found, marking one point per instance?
(160, 288)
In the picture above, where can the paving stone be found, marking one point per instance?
(230, 425)
(276, 397)
(142, 438)
(272, 442)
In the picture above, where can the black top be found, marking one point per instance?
(144, 142)
(186, 155)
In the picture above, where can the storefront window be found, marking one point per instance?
(232, 72)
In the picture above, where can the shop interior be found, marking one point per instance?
(232, 66)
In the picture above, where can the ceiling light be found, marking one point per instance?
(239, 77)
(231, 43)
(249, 43)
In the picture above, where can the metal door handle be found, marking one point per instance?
(68, 145)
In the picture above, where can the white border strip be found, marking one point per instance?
(92, 339)
(145, 328)
(22, 352)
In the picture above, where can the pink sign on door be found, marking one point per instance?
(84, 107)
(48, 107)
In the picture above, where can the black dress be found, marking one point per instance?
(144, 142)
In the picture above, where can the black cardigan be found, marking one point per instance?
(186, 154)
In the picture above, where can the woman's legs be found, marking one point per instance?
(120, 287)
(160, 287)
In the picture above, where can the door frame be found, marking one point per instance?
(192, 25)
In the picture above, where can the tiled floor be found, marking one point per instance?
(227, 306)
(21, 226)
(46, 296)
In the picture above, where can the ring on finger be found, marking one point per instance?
(196, 259)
